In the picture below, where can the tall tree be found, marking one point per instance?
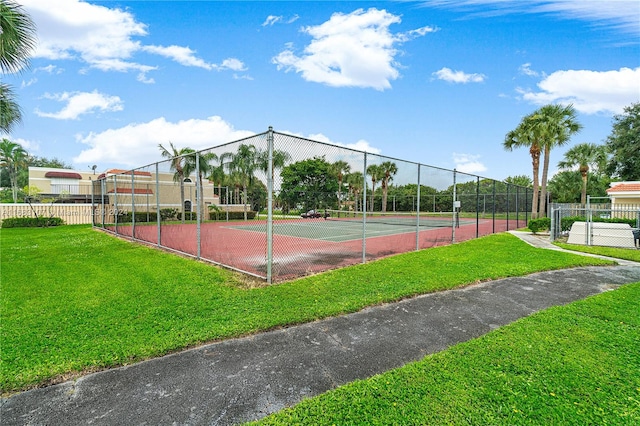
(587, 156)
(355, 182)
(520, 180)
(17, 42)
(527, 134)
(177, 165)
(309, 183)
(12, 157)
(388, 169)
(376, 174)
(244, 162)
(341, 168)
(203, 166)
(557, 123)
(624, 145)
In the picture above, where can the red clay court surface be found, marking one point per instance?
(243, 245)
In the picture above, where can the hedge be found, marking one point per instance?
(567, 222)
(31, 222)
(222, 215)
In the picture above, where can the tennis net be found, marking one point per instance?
(426, 219)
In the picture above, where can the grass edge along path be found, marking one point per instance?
(572, 364)
(618, 253)
(74, 300)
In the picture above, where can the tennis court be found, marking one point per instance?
(345, 227)
(301, 246)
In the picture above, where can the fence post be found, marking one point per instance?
(158, 217)
(199, 202)
(133, 206)
(453, 221)
(478, 206)
(418, 213)
(364, 211)
(270, 206)
(115, 202)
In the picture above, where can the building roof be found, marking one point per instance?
(624, 187)
(64, 175)
(136, 191)
(125, 172)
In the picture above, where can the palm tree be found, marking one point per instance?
(558, 124)
(341, 168)
(355, 181)
(376, 174)
(528, 134)
(586, 156)
(204, 167)
(244, 162)
(177, 159)
(388, 170)
(17, 42)
(12, 156)
(217, 176)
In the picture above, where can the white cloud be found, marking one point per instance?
(49, 69)
(182, 55)
(349, 50)
(468, 163)
(361, 145)
(622, 15)
(28, 83)
(451, 76)
(590, 92)
(101, 37)
(28, 146)
(137, 144)
(232, 64)
(526, 70)
(271, 19)
(80, 103)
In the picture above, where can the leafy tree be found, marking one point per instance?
(17, 42)
(520, 180)
(565, 186)
(624, 145)
(12, 157)
(341, 169)
(177, 165)
(388, 169)
(586, 156)
(310, 183)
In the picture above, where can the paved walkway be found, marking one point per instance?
(248, 378)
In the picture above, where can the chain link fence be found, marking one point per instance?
(278, 206)
(609, 225)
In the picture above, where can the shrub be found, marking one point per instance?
(222, 215)
(31, 222)
(541, 224)
(140, 217)
(168, 214)
(567, 222)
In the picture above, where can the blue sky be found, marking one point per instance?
(438, 82)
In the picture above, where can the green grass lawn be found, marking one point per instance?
(618, 253)
(571, 365)
(75, 300)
